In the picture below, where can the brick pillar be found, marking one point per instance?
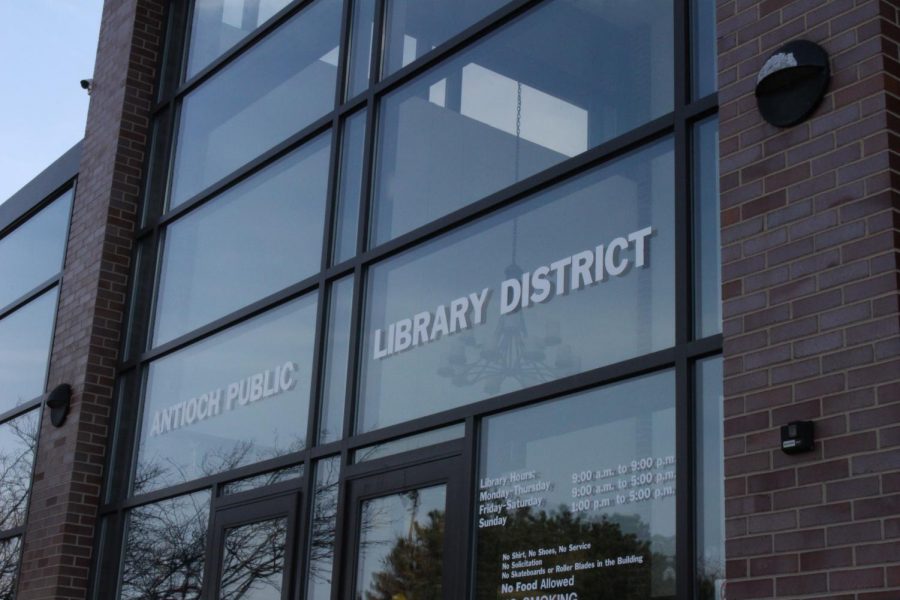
(68, 469)
(810, 289)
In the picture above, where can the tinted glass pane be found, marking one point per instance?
(703, 47)
(33, 252)
(360, 47)
(416, 26)
(401, 544)
(25, 338)
(412, 442)
(577, 496)
(257, 238)
(707, 252)
(281, 85)
(9, 567)
(451, 311)
(18, 441)
(262, 480)
(253, 561)
(518, 102)
(220, 24)
(710, 481)
(334, 390)
(324, 526)
(350, 187)
(235, 398)
(165, 549)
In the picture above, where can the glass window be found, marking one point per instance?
(262, 480)
(324, 526)
(414, 27)
(255, 239)
(707, 253)
(401, 543)
(518, 102)
(350, 187)
(363, 26)
(274, 90)
(9, 566)
(334, 387)
(238, 397)
(704, 50)
(33, 252)
(253, 561)
(165, 549)
(578, 494)
(18, 441)
(710, 481)
(220, 24)
(25, 338)
(578, 276)
(410, 442)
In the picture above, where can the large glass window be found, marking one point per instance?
(33, 252)
(580, 275)
(236, 398)
(18, 443)
(25, 338)
(578, 495)
(274, 90)
(220, 24)
(518, 102)
(255, 239)
(323, 529)
(165, 549)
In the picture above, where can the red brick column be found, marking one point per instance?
(68, 470)
(810, 288)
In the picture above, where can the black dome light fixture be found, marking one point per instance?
(58, 402)
(792, 82)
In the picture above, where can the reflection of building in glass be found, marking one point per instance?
(455, 299)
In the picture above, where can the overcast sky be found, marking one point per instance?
(46, 48)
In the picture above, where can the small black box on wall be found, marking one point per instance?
(797, 437)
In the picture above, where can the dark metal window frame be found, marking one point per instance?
(677, 124)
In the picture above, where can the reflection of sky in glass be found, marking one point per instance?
(708, 264)
(220, 24)
(334, 385)
(33, 252)
(25, 338)
(269, 427)
(620, 318)
(255, 239)
(384, 521)
(518, 102)
(278, 87)
(18, 440)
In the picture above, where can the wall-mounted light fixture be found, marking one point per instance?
(58, 402)
(792, 82)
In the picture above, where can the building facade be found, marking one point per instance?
(384, 299)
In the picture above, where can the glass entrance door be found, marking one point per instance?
(253, 546)
(407, 535)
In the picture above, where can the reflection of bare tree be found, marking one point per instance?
(324, 522)
(253, 560)
(18, 441)
(9, 564)
(165, 549)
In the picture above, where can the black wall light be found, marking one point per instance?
(792, 82)
(58, 402)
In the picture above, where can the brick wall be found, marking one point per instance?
(68, 468)
(810, 289)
